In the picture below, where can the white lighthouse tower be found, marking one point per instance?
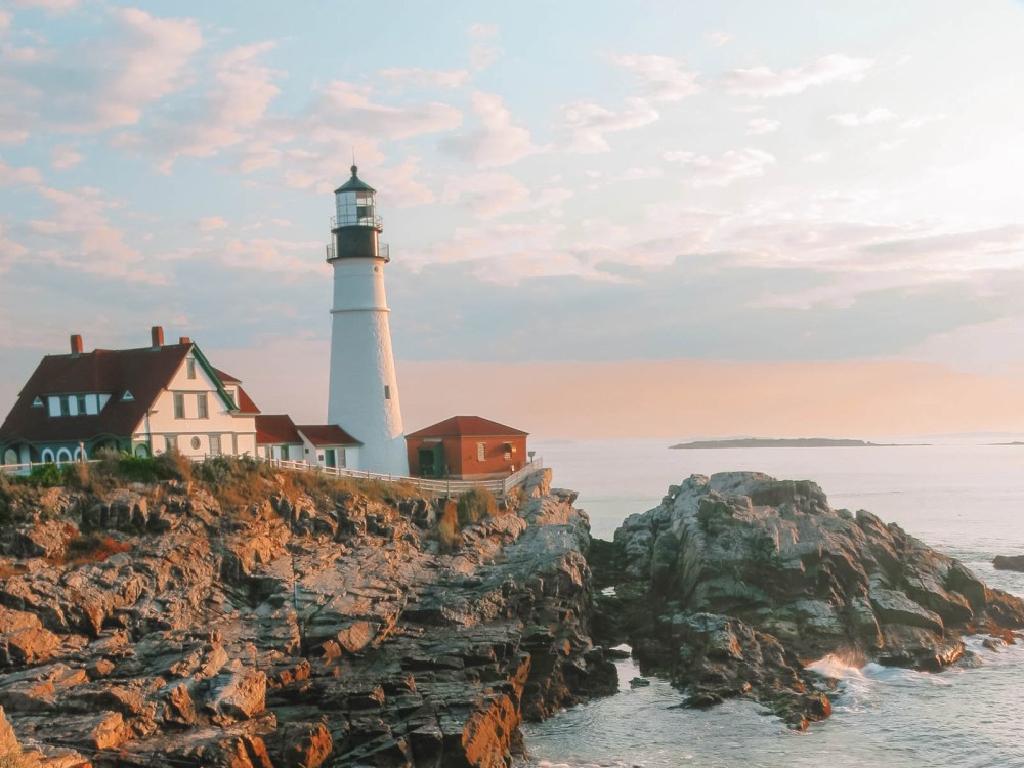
(364, 389)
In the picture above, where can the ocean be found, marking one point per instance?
(961, 496)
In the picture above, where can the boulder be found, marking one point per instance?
(733, 577)
(1008, 562)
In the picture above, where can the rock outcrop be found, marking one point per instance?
(734, 582)
(289, 624)
(1008, 562)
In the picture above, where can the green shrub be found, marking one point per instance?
(476, 504)
(46, 476)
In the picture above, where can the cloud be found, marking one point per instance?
(426, 78)
(661, 78)
(136, 60)
(51, 6)
(212, 223)
(762, 125)
(729, 167)
(914, 123)
(63, 157)
(343, 109)
(10, 252)
(483, 52)
(489, 195)
(240, 91)
(856, 120)
(147, 64)
(5, 21)
(12, 176)
(81, 237)
(766, 82)
(499, 140)
(718, 39)
(588, 123)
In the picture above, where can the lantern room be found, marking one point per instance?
(355, 225)
(354, 204)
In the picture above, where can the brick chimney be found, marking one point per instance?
(184, 340)
(158, 336)
(76, 344)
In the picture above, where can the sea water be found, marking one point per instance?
(962, 496)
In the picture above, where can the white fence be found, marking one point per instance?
(447, 486)
(499, 486)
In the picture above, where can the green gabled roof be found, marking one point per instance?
(355, 183)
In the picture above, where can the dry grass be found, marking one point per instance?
(476, 504)
(94, 548)
(11, 569)
(16, 759)
(448, 535)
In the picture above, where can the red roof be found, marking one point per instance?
(468, 426)
(245, 403)
(144, 372)
(327, 434)
(276, 430)
(226, 378)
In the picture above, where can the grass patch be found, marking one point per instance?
(448, 535)
(476, 504)
(94, 548)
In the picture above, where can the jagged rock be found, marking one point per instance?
(240, 694)
(733, 577)
(297, 629)
(23, 639)
(306, 745)
(1008, 562)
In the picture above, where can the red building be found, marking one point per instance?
(466, 447)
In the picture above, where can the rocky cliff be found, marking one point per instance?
(286, 622)
(734, 582)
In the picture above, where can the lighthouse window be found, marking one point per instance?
(387, 392)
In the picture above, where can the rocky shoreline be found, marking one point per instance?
(299, 628)
(276, 620)
(734, 583)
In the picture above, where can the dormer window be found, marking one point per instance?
(190, 368)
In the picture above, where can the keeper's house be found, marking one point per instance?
(145, 401)
(467, 448)
(325, 445)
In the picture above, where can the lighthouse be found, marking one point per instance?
(363, 390)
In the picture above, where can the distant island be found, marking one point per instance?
(781, 442)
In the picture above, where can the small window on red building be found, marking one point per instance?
(481, 451)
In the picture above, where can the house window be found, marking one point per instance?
(387, 392)
(65, 406)
(481, 451)
(82, 410)
(190, 368)
(215, 445)
(179, 405)
(204, 406)
(284, 453)
(168, 443)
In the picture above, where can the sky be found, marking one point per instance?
(661, 218)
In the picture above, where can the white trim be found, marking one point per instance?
(42, 456)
